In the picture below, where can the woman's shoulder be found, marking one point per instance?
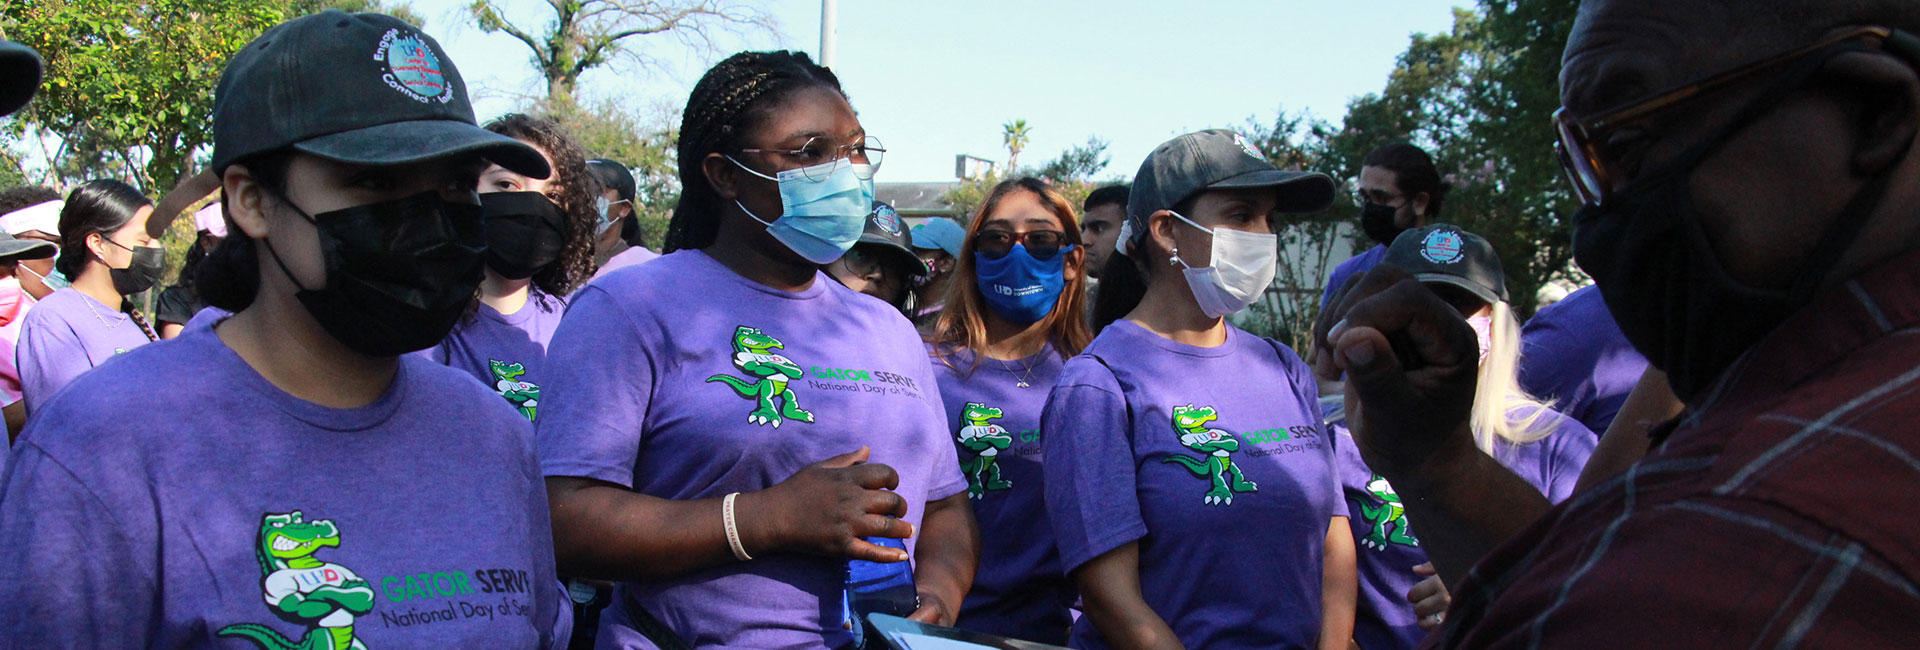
(57, 306)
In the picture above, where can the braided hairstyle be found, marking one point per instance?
(730, 101)
(573, 188)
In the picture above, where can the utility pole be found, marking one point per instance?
(829, 16)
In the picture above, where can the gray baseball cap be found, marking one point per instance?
(359, 88)
(25, 249)
(1215, 159)
(1444, 253)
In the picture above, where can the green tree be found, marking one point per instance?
(581, 35)
(1015, 137)
(1078, 163)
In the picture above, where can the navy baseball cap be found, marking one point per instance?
(1447, 254)
(20, 71)
(1215, 159)
(359, 88)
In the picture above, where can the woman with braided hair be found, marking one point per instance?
(727, 429)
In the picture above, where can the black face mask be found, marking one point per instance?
(525, 232)
(1665, 286)
(142, 273)
(399, 273)
(1377, 221)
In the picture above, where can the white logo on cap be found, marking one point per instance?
(1443, 247)
(1248, 147)
(412, 67)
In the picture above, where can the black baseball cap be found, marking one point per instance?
(1215, 159)
(613, 176)
(25, 249)
(358, 88)
(20, 70)
(886, 232)
(1447, 254)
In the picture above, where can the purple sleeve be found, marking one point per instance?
(1566, 453)
(600, 383)
(59, 592)
(560, 627)
(49, 357)
(1090, 485)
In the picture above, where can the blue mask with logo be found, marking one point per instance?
(1020, 287)
(819, 220)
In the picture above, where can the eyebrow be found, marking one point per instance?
(822, 134)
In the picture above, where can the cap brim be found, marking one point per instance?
(1480, 291)
(400, 143)
(19, 249)
(20, 69)
(907, 257)
(1300, 192)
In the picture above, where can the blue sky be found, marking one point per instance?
(935, 79)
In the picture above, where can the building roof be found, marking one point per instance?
(917, 199)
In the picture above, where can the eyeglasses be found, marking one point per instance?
(862, 261)
(1581, 147)
(821, 149)
(995, 244)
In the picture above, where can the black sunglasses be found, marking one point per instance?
(1042, 244)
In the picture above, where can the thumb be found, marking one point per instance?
(848, 459)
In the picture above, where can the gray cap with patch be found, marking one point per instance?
(1215, 159)
(1447, 254)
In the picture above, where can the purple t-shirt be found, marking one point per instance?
(683, 380)
(507, 352)
(1216, 461)
(632, 256)
(1020, 590)
(1355, 265)
(178, 496)
(206, 317)
(69, 333)
(1388, 547)
(1573, 353)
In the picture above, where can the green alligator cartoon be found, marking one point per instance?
(1191, 423)
(523, 395)
(323, 596)
(769, 374)
(986, 440)
(1389, 514)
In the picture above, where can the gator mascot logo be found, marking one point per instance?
(323, 596)
(1389, 518)
(768, 374)
(1190, 422)
(979, 435)
(523, 395)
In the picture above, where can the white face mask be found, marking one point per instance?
(1242, 267)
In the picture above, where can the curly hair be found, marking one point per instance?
(573, 187)
(730, 101)
(962, 324)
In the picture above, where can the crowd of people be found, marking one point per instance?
(422, 383)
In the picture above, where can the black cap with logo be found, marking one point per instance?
(888, 235)
(1214, 159)
(356, 88)
(1446, 254)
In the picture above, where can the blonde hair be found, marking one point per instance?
(1498, 395)
(962, 324)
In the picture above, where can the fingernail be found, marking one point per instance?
(1335, 330)
(1360, 355)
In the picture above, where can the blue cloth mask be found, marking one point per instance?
(1020, 287)
(819, 220)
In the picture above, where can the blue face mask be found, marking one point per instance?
(1020, 287)
(820, 220)
(55, 280)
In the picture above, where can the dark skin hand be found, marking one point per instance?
(602, 530)
(1408, 404)
(1110, 593)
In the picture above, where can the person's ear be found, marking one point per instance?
(1420, 214)
(1160, 228)
(722, 174)
(244, 201)
(97, 243)
(946, 264)
(1076, 260)
(1886, 92)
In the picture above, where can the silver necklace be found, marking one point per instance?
(102, 319)
(1019, 381)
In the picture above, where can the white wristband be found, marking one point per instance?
(733, 532)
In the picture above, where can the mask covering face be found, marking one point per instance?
(399, 273)
(1020, 287)
(1377, 221)
(525, 232)
(819, 220)
(1243, 265)
(141, 273)
(1482, 330)
(55, 281)
(1662, 280)
(602, 206)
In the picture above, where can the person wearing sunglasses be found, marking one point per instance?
(728, 426)
(1009, 327)
(881, 264)
(107, 253)
(1748, 184)
(287, 477)
(1178, 445)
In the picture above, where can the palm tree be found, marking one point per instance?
(1016, 139)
